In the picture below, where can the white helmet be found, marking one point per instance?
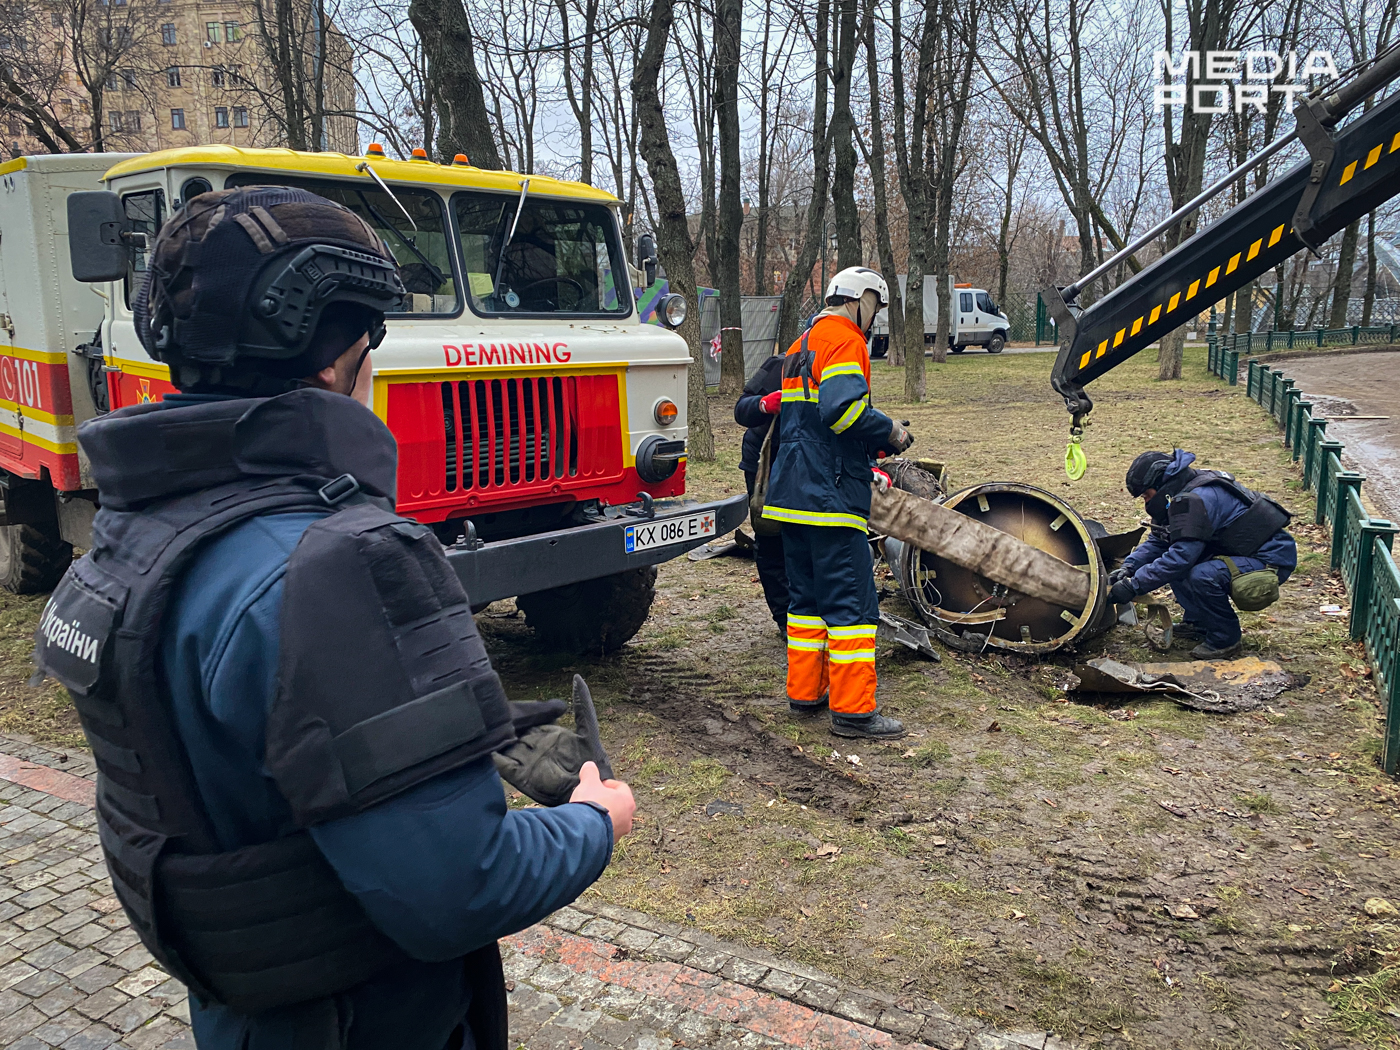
(853, 281)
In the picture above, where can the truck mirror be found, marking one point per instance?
(97, 249)
(646, 257)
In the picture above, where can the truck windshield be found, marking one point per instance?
(564, 257)
(425, 264)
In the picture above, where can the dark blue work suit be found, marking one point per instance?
(1199, 579)
(443, 868)
(768, 553)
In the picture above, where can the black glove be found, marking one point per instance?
(900, 438)
(1122, 591)
(544, 762)
(1120, 573)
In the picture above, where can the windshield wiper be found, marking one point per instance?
(364, 167)
(501, 262)
(437, 275)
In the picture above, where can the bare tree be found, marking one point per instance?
(843, 185)
(462, 120)
(875, 160)
(728, 33)
(675, 245)
(579, 85)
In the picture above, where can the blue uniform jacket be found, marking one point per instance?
(1156, 561)
(443, 868)
(830, 433)
(767, 378)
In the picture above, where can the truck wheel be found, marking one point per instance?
(32, 558)
(957, 349)
(593, 616)
(996, 344)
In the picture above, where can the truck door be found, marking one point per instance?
(137, 377)
(967, 323)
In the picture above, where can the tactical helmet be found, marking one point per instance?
(253, 288)
(1146, 472)
(854, 281)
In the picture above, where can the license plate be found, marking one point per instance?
(649, 534)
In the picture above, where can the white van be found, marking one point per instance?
(975, 321)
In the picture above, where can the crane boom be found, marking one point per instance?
(1351, 172)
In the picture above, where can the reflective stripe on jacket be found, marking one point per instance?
(830, 431)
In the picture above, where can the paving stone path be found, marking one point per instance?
(593, 977)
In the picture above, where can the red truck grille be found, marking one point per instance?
(480, 441)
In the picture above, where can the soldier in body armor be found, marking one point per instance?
(1213, 540)
(296, 726)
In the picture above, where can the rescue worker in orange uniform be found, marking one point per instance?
(820, 490)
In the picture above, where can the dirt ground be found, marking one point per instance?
(1016, 856)
(1344, 387)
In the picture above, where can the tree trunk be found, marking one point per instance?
(795, 288)
(915, 384)
(843, 185)
(463, 123)
(1368, 301)
(875, 160)
(674, 244)
(1346, 265)
(729, 26)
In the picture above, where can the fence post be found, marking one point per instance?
(1390, 740)
(1355, 334)
(1326, 478)
(1289, 434)
(1284, 399)
(1290, 339)
(1321, 334)
(1376, 530)
(1317, 433)
(1232, 367)
(1344, 480)
(1252, 381)
(1302, 413)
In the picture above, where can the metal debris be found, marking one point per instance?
(1217, 686)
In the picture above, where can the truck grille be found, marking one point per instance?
(474, 443)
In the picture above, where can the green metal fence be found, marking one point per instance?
(1361, 544)
(1267, 342)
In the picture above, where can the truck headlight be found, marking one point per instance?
(665, 412)
(674, 310)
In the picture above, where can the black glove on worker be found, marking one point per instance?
(544, 762)
(900, 438)
(1120, 573)
(1122, 591)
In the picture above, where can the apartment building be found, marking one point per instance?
(191, 72)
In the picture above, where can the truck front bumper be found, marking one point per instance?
(510, 568)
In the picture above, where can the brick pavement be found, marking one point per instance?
(591, 977)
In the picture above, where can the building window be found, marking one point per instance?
(114, 120)
(211, 32)
(216, 76)
(220, 116)
(167, 34)
(56, 19)
(177, 119)
(240, 116)
(129, 79)
(112, 81)
(133, 120)
(172, 76)
(233, 32)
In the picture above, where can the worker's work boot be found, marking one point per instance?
(1205, 652)
(1187, 631)
(873, 726)
(808, 707)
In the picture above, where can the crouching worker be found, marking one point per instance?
(1212, 540)
(820, 491)
(295, 722)
(757, 409)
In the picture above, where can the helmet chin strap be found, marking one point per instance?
(355, 375)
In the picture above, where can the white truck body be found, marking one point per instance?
(974, 321)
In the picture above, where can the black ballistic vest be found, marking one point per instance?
(1187, 518)
(383, 683)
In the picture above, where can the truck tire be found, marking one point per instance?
(996, 344)
(32, 558)
(593, 616)
(957, 349)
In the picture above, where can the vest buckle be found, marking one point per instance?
(338, 490)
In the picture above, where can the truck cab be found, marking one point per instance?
(974, 320)
(541, 426)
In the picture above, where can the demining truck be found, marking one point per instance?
(541, 426)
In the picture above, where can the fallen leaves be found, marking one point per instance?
(1175, 811)
(995, 727)
(1182, 911)
(1380, 908)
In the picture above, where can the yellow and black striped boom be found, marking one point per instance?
(1362, 172)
